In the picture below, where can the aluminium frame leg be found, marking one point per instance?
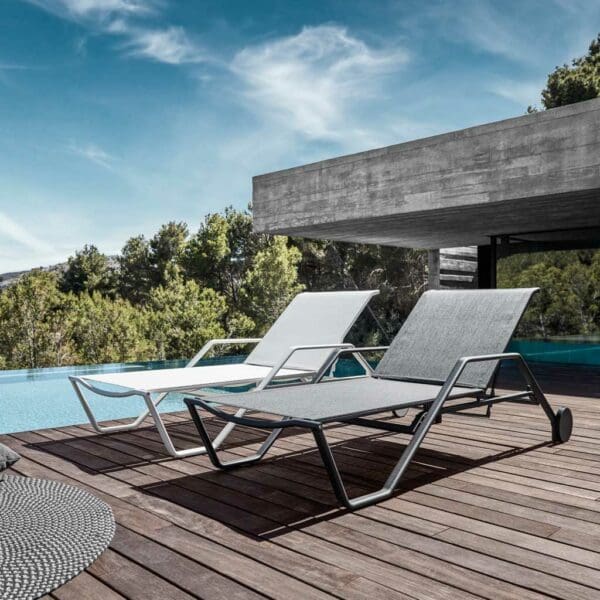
(150, 411)
(211, 446)
(428, 419)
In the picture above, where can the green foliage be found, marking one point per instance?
(182, 317)
(399, 274)
(576, 82)
(165, 297)
(206, 256)
(88, 271)
(271, 283)
(166, 248)
(569, 299)
(221, 252)
(107, 331)
(135, 270)
(34, 323)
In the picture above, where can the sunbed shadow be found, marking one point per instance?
(121, 451)
(292, 491)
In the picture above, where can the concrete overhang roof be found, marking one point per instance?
(537, 172)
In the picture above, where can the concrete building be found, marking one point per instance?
(518, 185)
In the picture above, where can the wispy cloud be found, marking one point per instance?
(94, 154)
(501, 29)
(14, 67)
(18, 234)
(311, 80)
(96, 9)
(128, 20)
(171, 45)
(523, 93)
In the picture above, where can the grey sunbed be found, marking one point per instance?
(443, 360)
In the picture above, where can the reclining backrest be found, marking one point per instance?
(310, 318)
(446, 325)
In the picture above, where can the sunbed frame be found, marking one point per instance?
(453, 396)
(332, 314)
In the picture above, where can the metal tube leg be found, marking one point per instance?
(164, 434)
(210, 446)
(92, 417)
(538, 394)
(151, 410)
(227, 429)
(405, 459)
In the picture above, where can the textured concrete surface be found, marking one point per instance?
(531, 173)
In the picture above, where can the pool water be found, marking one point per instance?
(41, 398)
(564, 351)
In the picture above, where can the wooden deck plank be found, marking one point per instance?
(490, 510)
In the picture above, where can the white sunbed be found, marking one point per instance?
(295, 348)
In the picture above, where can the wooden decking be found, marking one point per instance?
(491, 510)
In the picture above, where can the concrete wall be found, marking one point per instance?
(535, 172)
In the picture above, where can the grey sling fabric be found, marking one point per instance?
(337, 400)
(8, 457)
(310, 318)
(446, 325)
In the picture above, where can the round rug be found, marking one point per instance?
(49, 532)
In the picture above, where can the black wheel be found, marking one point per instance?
(564, 426)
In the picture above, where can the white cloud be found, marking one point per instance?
(16, 233)
(125, 19)
(311, 80)
(171, 45)
(95, 9)
(498, 28)
(94, 154)
(523, 93)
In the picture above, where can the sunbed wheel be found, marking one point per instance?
(564, 425)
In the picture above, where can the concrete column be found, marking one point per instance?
(433, 269)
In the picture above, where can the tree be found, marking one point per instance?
(399, 274)
(271, 283)
(568, 301)
(106, 331)
(88, 271)
(135, 270)
(166, 248)
(222, 251)
(218, 256)
(35, 326)
(182, 317)
(206, 255)
(576, 82)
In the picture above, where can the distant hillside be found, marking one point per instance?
(7, 279)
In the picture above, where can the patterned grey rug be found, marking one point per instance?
(49, 532)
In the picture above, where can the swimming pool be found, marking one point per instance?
(40, 398)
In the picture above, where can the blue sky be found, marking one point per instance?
(119, 115)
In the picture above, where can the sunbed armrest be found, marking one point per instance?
(292, 350)
(358, 354)
(522, 365)
(220, 342)
(462, 362)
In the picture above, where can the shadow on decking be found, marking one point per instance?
(288, 490)
(292, 491)
(120, 451)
